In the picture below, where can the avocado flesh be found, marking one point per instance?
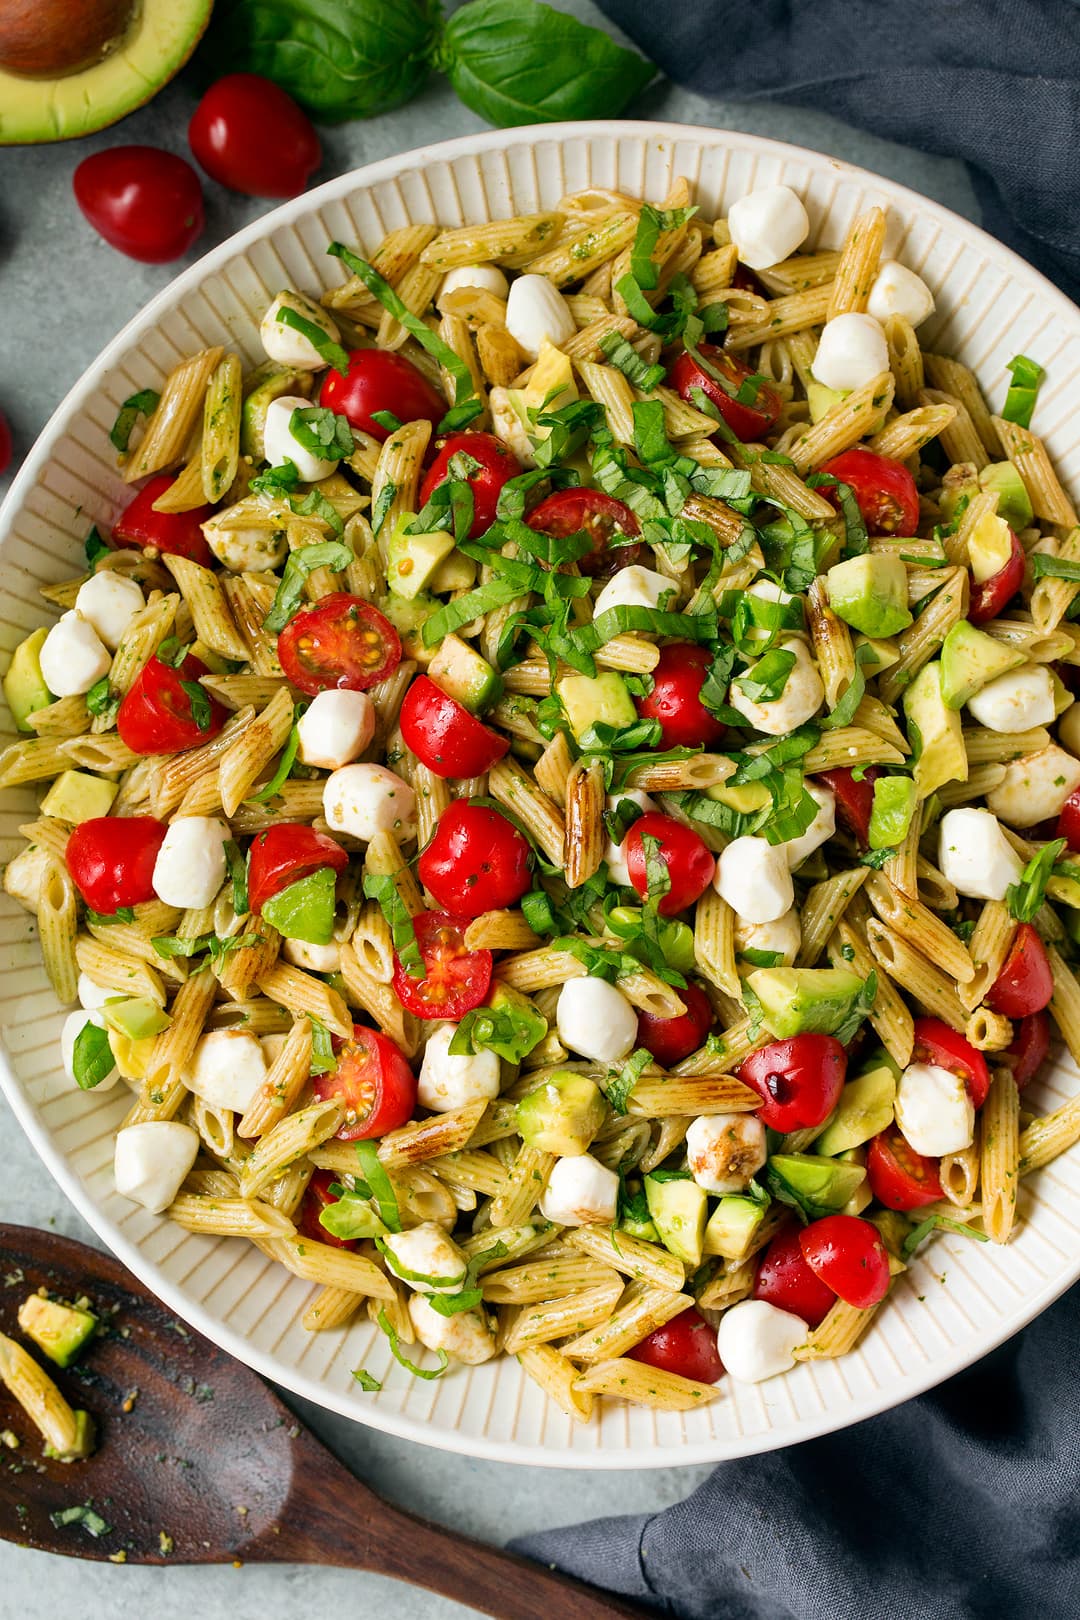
(678, 1209)
(732, 1225)
(59, 1330)
(795, 1001)
(869, 592)
(562, 1116)
(818, 1186)
(24, 685)
(970, 660)
(864, 1109)
(936, 731)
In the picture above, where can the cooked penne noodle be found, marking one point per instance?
(844, 424)
(171, 423)
(1000, 1156)
(858, 264)
(1028, 455)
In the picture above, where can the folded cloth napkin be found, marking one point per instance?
(995, 82)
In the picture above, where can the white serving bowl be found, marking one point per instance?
(991, 305)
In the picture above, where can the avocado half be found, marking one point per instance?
(69, 67)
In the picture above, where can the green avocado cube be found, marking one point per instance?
(465, 675)
(77, 796)
(732, 1224)
(59, 1330)
(864, 1109)
(894, 804)
(970, 660)
(870, 593)
(305, 910)
(1014, 502)
(591, 700)
(413, 558)
(816, 1186)
(935, 733)
(268, 383)
(562, 1115)
(799, 1000)
(678, 1207)
(24, 684)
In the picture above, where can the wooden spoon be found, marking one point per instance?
(195, 1448)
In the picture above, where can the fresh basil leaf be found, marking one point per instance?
(1026, 897)
(766, 679)
(473, 605)
(617, 822)
(84, 1514)
(322, 431)
(171, 651)
(315, 504)
(399, 1356)
(381, 887)
(1027, 376)
(99, 698)
(650, 435)
(539, 912)
(238, 876)
(382, 1189)
(860, 1007)
(856, 539)
(920, 1233)
(91, 1059)
(94, 547)
(383, 503)
(281, 775)
(619, 1089)
(387, 420)
(199, 699)
(844, 712)
(323, 1057)
(653, 221)
(626, 359)
(299, 566)
(321, 341)
(276, 481)
(1046, 567)
(103, 919)
(368, 1383)
(761, 959)
(144, 403)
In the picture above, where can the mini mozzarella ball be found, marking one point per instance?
(1016, 701)
(769, 591)
(73, 1026)
(725, 1151)
(450, 1080)
(800, 700)
(93, 996)
(536, 311)
(335, 728)
(820, 829)
(281, 444)
(477, 277)
(288, 346)
(465, 1336)
(73, 656)
(615, 854)
(899, 291)
(426, 1251)
(367, 799)
(595, 1020)
(580, 1192)
(228, 1068)
(934, 1110)
(190, 865)
(508, 427)
(757, 1340)
(783, 937)
(312, 958)
(754, 877)
(852, 351)
(633, 587)
(24, 873)
(975, 856)
(108, 601)
(768, 225)
(248, 551)
(1035, 788)
(152, 1160)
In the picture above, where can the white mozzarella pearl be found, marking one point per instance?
(335, 728)
(899, 291)
(248, 551)
(1016, 701)
(615, 854)
(800, 700)
(934, 1110)
(287, 346)
(757, 1340)
(754, 878)
(451, 1080)
(73, 656)
(281, 444)
(108, 601)
(768, 225)
(852, 351)
(367, 799)
(975, 856)
(725, 1151)
(536, 310)
(190, 865)
(595, 1020)
(426, 1251)
(633, 587)
(782, 936)
(72, 1028)
(228, 1068)
(465, 1336)
(1035, 788)
(152, 1160)
(312, 958)
(579, 1192)
(92, 996)
(23, 875)
(481, 277)
(820, 829)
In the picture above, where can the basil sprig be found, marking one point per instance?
(1027, 376)
(144, 403)
(301, 564)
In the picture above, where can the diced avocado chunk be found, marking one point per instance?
(408, 619)
(563, 1115)
(745, 797)
(822, 399)
(678, 1208)
(989, 547)
(591, 700)
(893, 807)
(732, 1225)
(135, 1017)
(58, 1329)
(455, 573)
(817, 1186)
(413, 558)
(885, 653)
(970, 660)
(269, 383)
(517, 1025)
(870, 593)
(465, 675)
(551, 386)
(83, 1444)
(77, 796)
(864, 1109)
(305, 909)
(24, 685)
(1014, 502)
(645, 1230)
(934, 732)
(799, 1000)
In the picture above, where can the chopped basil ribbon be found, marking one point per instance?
(650, 435)
(654, 220)
(301, 564)
(320, 340)
(171, 652)
(856, 539)
(617, 822)
(766, 679)
(626, 359)
(1027, 376)
(94, 547)
(1025, 897)
(381, 887)
(761, 959)
(100, 919)
(366, 1380)
(383, 503)
(144, 403)
(276, 481)
(844, 712)
(860, 1007)
(539, 912)
(919, 1233)
(92, 1058)
(315, 504)
(387, 420)
(468, 607)
(403, 1360)
(281, 775)
(171, 945)
(379, 1187)
(238, 876)
(1044, 566)
(199, 699)
(405, 1275)
(509, 1030)
(323, 1056)
(99, 696)
(83, 1514)
(618, 1090)
(471, 1295)
(323, 432)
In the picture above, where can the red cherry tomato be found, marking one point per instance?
(604, 519)
(317, 1197)
(1025, 983)
(675, 699)
(1030, 1048)
(497, 467)
(785, 1280)
(686, 1345)
(988, 599)
(899, 1177)
(854, 798)
(375, 1083)
(443, 735)
(457, 979)
(156, 716)
(799, 1080)
(381, 380)
(111, 860)
(145, 202)
(477, 861)
(177, 534)
(689, 864)
(884, 490)
(250, 135)
(750, 421)
(5, 444)
(285, 854)
(1068, 823)
(847, 1253)
(936, 1043)
(340, 642)
(671, 1039)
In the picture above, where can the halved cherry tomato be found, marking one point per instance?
(374, 1081)
(177, 534)
(1025, 983)
(884, 490)
(689, 864)
(157, 715)
(847, 1253)
(988, 599)
(604, 519)
(457, 979)
(936, 1043)
(686, 1345)
(854, 798)
(799, 1080)
(785, 1280)
(250, 135)
(317, 1197)
(671, 1039)
(899, 1177)
(1068, 822)
(144, 202)
(284, 854)
(5, 444)
(476, 861)
(748, 421)
(1030, 1047)
(340, 642)
(675, 699)
(111, 860)
(443, 735)
(497, 466)
(381, 380)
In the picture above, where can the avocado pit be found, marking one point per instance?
(50, 39)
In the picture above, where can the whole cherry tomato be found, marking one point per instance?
(111, 860)
(5, 444)
(1068, 822)
(785, 1280)
(476, 861)
(854, 798)
(847, 1253)
(284, 854)
(163, 712)
(250, 135)
(690, 867)
(604, 519)
(373, 1080)
(675, 699)
(899, 1177)
(497, 466)
(686, 1345)
(176, 534)
(671, 1039)
(748, 418)
(339, 642)
(989, 598)
(381, 380)
(457, 979)
(799, 1080)
(317, 1197)
(1025, 983)
(1030, 1048)
(884, 490)
(936, 1043)
(443, 735)
(145, 202)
